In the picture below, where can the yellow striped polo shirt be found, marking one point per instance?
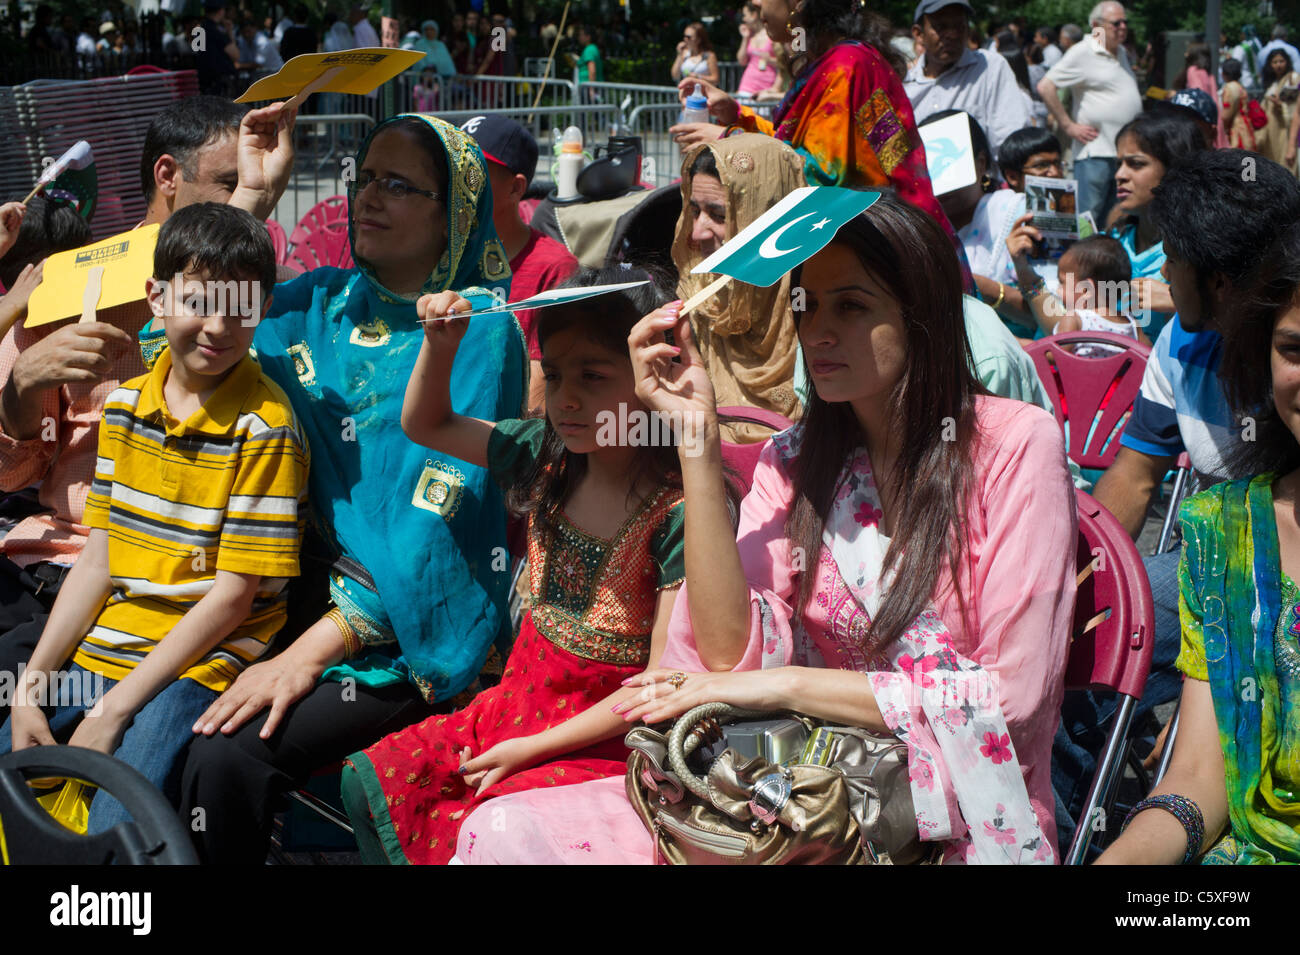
(223, 490)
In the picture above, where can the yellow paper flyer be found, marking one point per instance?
(353, 71)
(127, 260)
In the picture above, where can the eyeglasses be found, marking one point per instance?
(1035, 169)
(390, 188)
(1116, 23)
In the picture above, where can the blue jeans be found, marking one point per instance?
(154, 743)
(1086, 716)
(1096, 187)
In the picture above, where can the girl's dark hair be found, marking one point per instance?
(605, 320)
(1245, 367)
(1015, 58)
(1266, 75)
(911, 256)
(1167, 135)
(829, 21)
(1231, 70)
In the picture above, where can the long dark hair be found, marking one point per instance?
(605, 320)
(932, 407)
(1266, 75)
(830, 21)
(1244, 369)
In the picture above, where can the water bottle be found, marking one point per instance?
(570, 164)
(697, 107)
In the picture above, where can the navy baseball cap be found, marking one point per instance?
(1199, 102)
(934, 6)
(504, 142)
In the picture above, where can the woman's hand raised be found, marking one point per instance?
(721, 105)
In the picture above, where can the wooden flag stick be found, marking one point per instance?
(559, 35)
(90, 297)
(39, 187)
(313, 86)
(704, 294)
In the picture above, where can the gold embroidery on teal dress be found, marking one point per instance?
(439, 488)
(373, 334)
(303, 366)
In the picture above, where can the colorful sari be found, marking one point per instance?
(414, 532)
(847, 114)
(1241, 619)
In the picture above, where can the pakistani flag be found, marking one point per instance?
(556, 297)
(788, 234)
(71, 179)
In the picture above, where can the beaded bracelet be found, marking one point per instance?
(1182, 809)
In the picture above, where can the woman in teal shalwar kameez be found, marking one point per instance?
(420, 575)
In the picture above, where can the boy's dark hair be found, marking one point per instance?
(48, 227)
(1023, 143)
(605, 320)
(218, 240)
(182, 129)
(1100, 258)
(1220, 210)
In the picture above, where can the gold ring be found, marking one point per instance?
(677, 679)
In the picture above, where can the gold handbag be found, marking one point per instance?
(845, 799)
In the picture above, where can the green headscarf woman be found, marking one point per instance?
(420, 571)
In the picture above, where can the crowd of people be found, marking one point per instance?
(280, 543)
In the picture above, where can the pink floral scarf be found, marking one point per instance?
(967, 784)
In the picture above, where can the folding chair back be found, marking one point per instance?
(326, 212)
(279, 241)
(1092, 397)
(1111, 644)
(742, 458)
(327, 245)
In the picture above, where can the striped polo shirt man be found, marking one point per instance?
(223, 490)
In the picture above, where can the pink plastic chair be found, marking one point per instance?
(327, 211)
(279, 241)
(328, 245)
(1110, 649)
(742, 458)
(1092, 396)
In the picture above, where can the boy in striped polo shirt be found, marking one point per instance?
(196, 517)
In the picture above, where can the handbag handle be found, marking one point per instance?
(677, 739)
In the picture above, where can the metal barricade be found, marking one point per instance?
(629, 96)
(325, 148)
(729, 75)
(661, 156)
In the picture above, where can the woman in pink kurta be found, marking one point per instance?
(1014, 571)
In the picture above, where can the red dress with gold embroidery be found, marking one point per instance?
(588, 629)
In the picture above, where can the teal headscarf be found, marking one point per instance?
(429, 529)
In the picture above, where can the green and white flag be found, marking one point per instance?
(554, 297)
(788, 234)
(71, 179)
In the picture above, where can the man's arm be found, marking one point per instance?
(1126, 488)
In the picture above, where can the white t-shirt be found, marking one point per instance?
(1105, 95)
(365, 34)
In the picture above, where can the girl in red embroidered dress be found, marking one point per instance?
(598, 483)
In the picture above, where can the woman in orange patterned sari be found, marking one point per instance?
(602, 493)
(846, 111)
